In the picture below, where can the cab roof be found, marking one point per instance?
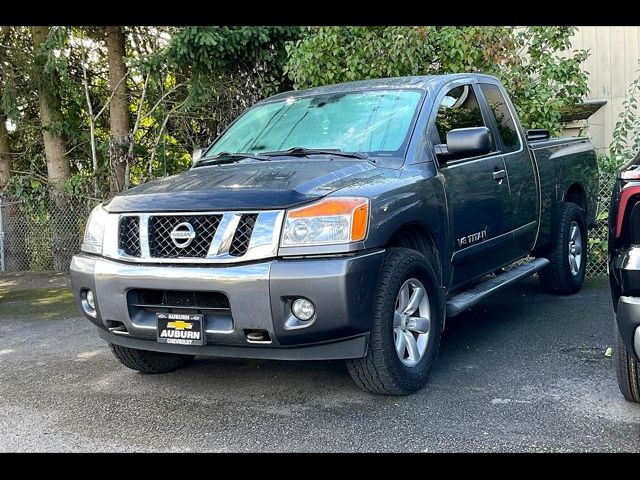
(420, 82)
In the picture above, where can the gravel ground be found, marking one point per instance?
(523, 371)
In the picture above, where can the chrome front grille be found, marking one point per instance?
(193, 237)
(161, 245)
(129, 236)
(242, 237)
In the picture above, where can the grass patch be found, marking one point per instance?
(37, 303)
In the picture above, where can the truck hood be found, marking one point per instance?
(246, 185)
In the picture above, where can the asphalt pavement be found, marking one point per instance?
(523, 371)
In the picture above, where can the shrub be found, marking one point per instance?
(536, 64)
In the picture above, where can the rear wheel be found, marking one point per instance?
(146, 361)
(626, 371)
(406, 327)
(568, 255)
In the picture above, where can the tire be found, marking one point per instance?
(146, 361)
(381, 370)
(558, 277)
(627, 371)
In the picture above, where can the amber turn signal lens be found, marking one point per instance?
(332, 220)
(360, 220)
(329, 207)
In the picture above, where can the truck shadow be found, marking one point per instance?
(498, 324)
(524, 305)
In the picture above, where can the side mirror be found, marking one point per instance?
(196, 155)
(470, 142)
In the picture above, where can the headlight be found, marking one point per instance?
(329, 221)
(94, 231)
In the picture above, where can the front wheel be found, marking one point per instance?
(568, 255)
(627, 371)
(406, 326)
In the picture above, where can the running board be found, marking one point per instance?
(468, 298)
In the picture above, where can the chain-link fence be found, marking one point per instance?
(44, 236)
(598, 235)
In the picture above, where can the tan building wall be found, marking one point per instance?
(612, 66)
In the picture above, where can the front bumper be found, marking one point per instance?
(628, 319)
(341, 287)
(624, 276)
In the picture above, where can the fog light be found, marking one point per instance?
(90, 300)
(303, 309)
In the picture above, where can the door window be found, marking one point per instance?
(458, 109)
(504, 120)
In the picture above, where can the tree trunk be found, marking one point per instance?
(5, 154)
(118, 108)
(13, 223)
(58, 168)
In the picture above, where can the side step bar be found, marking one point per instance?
(468, 298)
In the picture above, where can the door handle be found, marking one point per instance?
(499, 174)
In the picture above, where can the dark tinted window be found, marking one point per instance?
(504, 119)
(458, 109)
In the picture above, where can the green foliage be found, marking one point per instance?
(187, 83)
(199, 82)
(598, 244)
(212, 49)
(340, 54)
(535, 64)
(29, 187)
(18, 99)
(447, 119)
(608, 164)
(624, 147)
(206, 55)
(545, 76)
(625, 144)
(8, 96)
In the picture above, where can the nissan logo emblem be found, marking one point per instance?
(183, 234)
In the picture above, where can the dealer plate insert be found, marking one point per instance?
(180, 328)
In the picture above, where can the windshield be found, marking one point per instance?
(373, 122)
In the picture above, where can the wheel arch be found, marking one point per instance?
(577, 194)
(417, 236)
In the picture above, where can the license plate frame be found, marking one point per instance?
(180, 329)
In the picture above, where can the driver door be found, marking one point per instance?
(477, 188)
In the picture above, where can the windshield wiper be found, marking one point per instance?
(228, 157)
(304, 152)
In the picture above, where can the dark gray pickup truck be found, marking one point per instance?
(341, 222)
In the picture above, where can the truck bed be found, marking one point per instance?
(559, 159)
